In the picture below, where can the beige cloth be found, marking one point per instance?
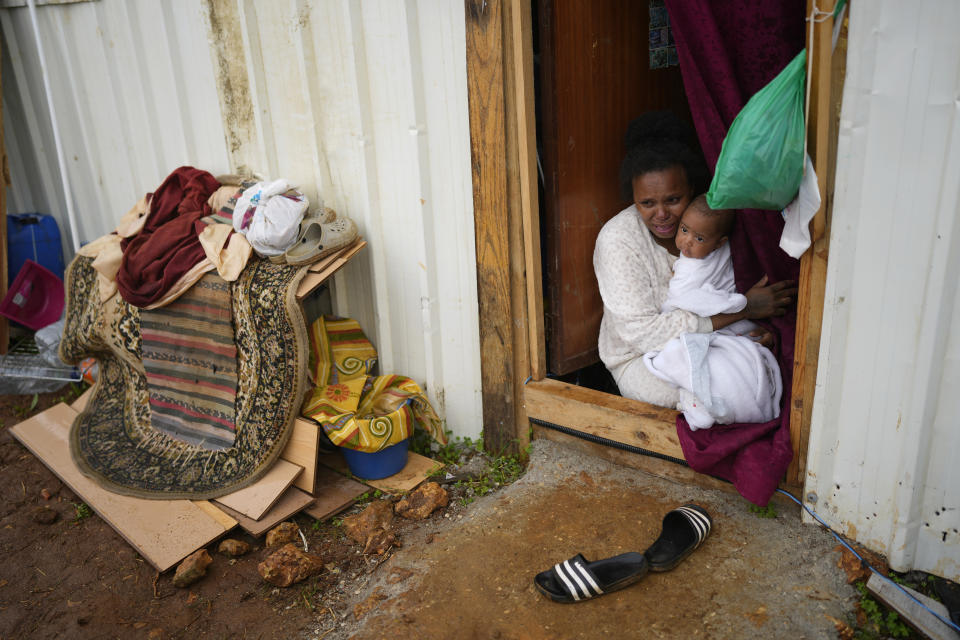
(107, 255)
(132, 222)
(228, 253)
(219, 198)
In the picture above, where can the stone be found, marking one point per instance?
(289, 565)
(192, 568)
(45, 515)
(234, 548)
(377, 515)
(423, 501)
(380, 541)
(282, 534)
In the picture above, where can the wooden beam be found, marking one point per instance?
(4, 275)
(501, 278)
(524, 109)
(822, 121)
(612, 417)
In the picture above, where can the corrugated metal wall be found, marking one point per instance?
(886, 422)
(362, 104)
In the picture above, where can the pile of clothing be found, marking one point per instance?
(195, 223)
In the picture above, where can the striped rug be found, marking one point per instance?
(190, 360)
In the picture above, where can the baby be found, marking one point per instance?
(725, 376)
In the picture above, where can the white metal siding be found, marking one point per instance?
(886, 420)
(362, 104)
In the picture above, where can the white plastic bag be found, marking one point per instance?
(269, 217)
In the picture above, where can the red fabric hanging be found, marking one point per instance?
(729, 50)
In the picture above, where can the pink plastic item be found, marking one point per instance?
(36, 297)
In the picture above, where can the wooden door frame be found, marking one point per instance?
(509, 279)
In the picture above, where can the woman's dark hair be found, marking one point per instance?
(658, 140)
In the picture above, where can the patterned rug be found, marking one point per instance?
(114, 441)
(191, 365)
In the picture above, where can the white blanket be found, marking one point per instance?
(723, 378)
(704, 286)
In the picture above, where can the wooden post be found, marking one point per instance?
(499, 84)
(4, 276)
(825, 88)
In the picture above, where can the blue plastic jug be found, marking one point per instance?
(33, 236)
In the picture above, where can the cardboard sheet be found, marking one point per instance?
(162, 531)
(254, 501)
(417, 469)
(291, 502)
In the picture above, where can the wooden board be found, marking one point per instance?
(302, 450)
(613, 417)
(822, 124)
(254, 501)
(335, 492)
(162, 531)
(910, 611)
(323, 269)
(498, 224)
(80, 403)
(417, 470)
(291, 502)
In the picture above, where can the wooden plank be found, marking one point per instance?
(292, 501)
(491, 206)
(524, 109)
(80, 403)
(613, 417)
(302, 450)
(821, 126)
(912, 613)
(162, 531)
(318, 272)
(254, 501)
(335, 492)
(4, 275)
(417, 469)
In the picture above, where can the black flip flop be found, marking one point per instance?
(684, 529)
(578, 579)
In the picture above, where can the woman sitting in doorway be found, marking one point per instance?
(635, 252)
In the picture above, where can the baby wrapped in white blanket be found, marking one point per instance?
(724, 376)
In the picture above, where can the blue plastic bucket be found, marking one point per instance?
(383, 463)
(33, 236)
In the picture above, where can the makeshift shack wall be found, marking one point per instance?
(364, 104)
(886, 420)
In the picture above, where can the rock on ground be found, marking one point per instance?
(282, 534)
(289, 565)
(192, 568)
(423, 501)
(234, 548)
(359, 527)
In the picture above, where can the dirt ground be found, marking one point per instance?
(465, 572)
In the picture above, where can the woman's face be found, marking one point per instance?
(660, 197)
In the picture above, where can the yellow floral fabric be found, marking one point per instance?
(355, 409)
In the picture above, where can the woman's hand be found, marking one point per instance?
(764, 301)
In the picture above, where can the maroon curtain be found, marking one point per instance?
(729, 50)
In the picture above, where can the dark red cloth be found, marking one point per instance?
(168, 246)
(729, 50)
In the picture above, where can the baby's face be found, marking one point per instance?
(698, 235)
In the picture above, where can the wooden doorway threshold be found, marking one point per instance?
(624, 431)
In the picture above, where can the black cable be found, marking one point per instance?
(606, 441)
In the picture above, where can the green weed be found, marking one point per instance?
(81, 512)
(763, 512)
(883, 622)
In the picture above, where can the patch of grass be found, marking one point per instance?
(881, 622)
(23, 410)
(82, 511)
(763, 512)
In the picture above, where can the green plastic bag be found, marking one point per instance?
(761, 162)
